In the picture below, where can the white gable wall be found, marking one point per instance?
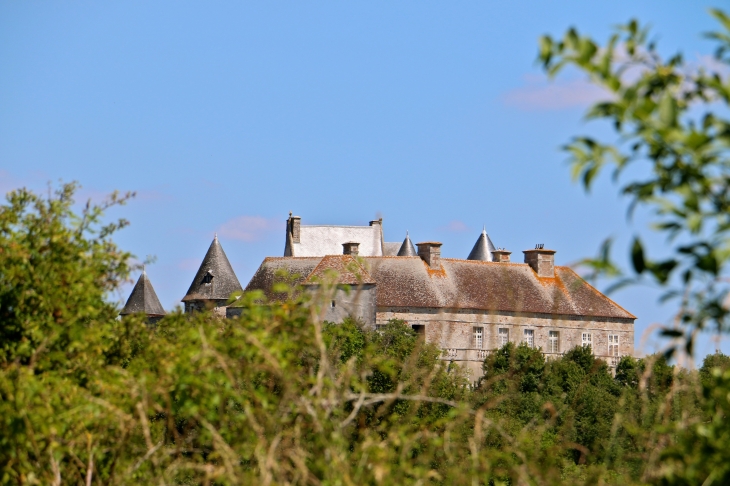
(328, 240)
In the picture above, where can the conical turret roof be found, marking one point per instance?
(215, 279)
(407, 248)
(143, 299)
(483, 248)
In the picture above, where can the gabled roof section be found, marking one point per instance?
(406, 282)
(407, 248)
(391, 248)
(215, 279)
(347, 269)
(143, 299)
(483, 248)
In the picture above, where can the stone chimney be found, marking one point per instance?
(541, 260)
(501, 255)
(378, 223)
(430, 252)
(351, 248)
(295, 225)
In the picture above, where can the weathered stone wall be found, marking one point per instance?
(453, 331)
(334, 304)
(218, 307)
(345, 300)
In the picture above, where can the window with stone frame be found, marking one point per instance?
(529, 337)
(478, 337)
(587, 339)
(553, 342)
(502, 336)
(613, 349)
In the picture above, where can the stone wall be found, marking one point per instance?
(334, 304)
(345, 300)
(453, 331)
(218, 307)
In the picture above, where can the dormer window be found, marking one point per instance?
(208, 277)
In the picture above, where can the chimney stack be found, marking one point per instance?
(541, 260)
(430, 252)
(295, 224)
(351, 248)
(501, 255)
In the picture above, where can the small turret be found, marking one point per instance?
(143, 300)
(407, 248)
(483, 248)
(214, 283)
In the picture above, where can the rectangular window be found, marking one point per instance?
(380, 327)
(478, 337)
(529, 337)
(553, 342)
(613, 345)
(587, 341)
(419, 328)
(503, 336)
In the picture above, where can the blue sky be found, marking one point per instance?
(224, 116)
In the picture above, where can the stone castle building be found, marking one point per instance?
(467, 307)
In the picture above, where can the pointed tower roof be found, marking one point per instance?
(215, 279)
(143, 299)
(407, 248)
(483, 248)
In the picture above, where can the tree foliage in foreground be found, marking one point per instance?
(670, 119)
(276, 397)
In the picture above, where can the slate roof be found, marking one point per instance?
(328, 240)
(407, 248)
(224, 281)
(462, 284)
(391, 248)
(483, 248)
(143, 299)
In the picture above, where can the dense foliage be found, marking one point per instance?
(277, 397)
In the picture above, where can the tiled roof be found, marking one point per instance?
(143, 299)
(273, 270)
(223, 282)
(344, 268)
(461, 284)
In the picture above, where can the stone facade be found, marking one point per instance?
(349, 301)
(334, 304)
(456, 331)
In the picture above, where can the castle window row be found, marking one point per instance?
(553, 344)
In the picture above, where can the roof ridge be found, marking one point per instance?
(482, 262)
(335, 226)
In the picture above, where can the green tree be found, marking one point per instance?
(669, 117)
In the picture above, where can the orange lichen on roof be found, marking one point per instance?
(340, 269)
(408, 282)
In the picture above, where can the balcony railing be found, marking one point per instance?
(473, 354)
